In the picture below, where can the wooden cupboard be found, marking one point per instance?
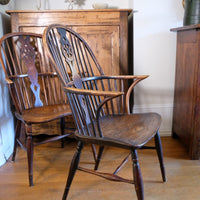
(186, 115)
(109, 32)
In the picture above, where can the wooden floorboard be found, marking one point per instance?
(51, 164)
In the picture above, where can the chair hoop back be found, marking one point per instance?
(32, 80)
(70, 53)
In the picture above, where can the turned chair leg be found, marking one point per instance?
(17, 135)
(94, 152)
(62, 127)
(29, 146)
(101, 148)
(137, 176)
(160, 155)
(73, 168)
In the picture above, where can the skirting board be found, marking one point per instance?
(166, 112)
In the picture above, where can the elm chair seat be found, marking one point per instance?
(45, 113)
(126, 131)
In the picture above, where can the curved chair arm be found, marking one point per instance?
(115, 77)
(136, 79)
(8, 81)
(92, 92)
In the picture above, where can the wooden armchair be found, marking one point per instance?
(34, 88)
(100, 106)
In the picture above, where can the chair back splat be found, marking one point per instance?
(100, 106)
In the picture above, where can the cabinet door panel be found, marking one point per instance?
(33, 29)
(104, 42)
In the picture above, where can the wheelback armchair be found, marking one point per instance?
(34, 88)
(100, 106)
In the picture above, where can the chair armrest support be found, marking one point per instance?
(130, 89)
(98, 111)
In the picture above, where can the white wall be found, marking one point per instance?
(154, 54)
(60, 4)
(6, 118)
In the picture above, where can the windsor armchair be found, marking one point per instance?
(100, 106)
(34, 88)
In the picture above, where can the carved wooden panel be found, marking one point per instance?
(107, 53)
(28, 56)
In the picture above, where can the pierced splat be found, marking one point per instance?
(68, 53)
(28, 57)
